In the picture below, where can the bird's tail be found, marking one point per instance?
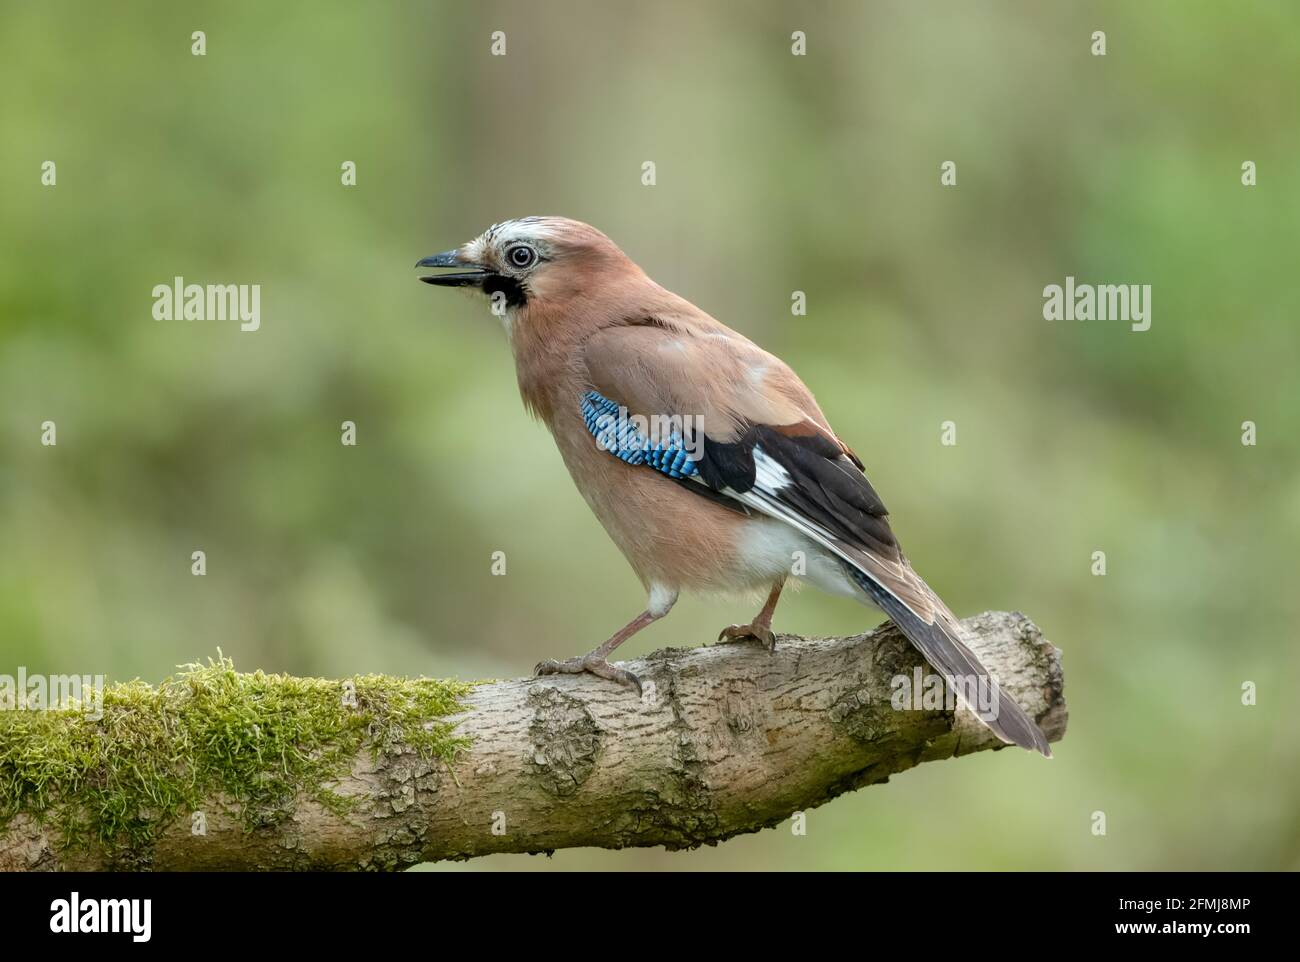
(941, 643)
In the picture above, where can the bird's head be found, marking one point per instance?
(530, 262)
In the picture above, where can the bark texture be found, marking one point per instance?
(727, 739)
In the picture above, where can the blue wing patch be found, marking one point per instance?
(616, 433)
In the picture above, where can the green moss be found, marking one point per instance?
(257, 741)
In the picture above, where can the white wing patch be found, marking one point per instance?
(770, 478)
(768, 474)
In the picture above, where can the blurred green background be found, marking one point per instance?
(775, 173)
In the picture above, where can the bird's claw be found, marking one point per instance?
(760, 633)
(592, 665)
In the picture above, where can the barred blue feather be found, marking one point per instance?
(615, 433)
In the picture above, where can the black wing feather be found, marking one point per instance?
(831, 491)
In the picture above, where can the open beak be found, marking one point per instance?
(462, 278)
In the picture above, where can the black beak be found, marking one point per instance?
(471, 278)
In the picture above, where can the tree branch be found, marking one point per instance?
(727, 739)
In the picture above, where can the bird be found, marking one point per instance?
(706, 459)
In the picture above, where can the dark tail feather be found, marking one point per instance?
(945, 650)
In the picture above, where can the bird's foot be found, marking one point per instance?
(592, 664)
(756, 632)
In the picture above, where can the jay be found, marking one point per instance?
(704, 457)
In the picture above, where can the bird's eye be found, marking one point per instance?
(521, 256)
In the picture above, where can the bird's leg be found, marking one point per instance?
(761, 627)
(595, 662)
